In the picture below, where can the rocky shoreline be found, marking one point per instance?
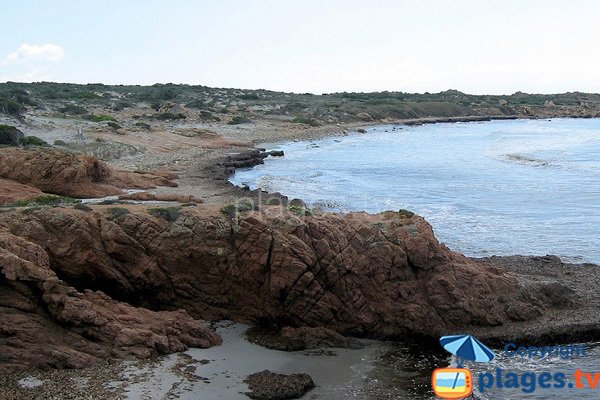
(85, 285)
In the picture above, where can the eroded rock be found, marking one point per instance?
(267, 385)
(48, 324)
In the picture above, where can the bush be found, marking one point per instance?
(32, 141)
(11, 107)
(10, 135)
(59, 142)
(72, 109)
(170, 214)
(116, 212)
(101, 118)
(170, 116)
(82, 207)
(238, 120)
(121, 105)
(406, 213)
(208, 116)
(45, 200)
(114, 125)
(248, 96)
(305, 120)
(240, 206)
(301, 211)
(143, 125)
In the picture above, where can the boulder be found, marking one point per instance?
(267, 385)
(364, 116)
(59, 172)
(46, 323)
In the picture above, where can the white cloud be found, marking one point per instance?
(35, 53)
(30, 62)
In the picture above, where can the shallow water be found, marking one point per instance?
(489, 188)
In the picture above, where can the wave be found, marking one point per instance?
(526, 160)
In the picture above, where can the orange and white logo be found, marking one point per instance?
(452, 383)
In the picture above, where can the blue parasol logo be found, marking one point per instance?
(467, 347)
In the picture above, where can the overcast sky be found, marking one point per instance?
(478, 46)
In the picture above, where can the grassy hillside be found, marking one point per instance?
(238, 106)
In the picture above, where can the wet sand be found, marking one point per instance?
(216, 373)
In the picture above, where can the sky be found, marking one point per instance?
(476, 46)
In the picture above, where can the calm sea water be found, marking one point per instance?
(490, 188)
(500, 187)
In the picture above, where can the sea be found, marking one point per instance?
(504, 187)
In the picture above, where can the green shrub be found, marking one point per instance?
(170, 116)
(170, 214)
(45, 200)
(72, 109)
(82, 207)
(208, 116)
(240, 206)
(248, 96)
(305, 120)
(114, 125)
(116, 212)
(11, 107)
(59, 142)
(121, 105)
(32, 141)
(110, 202)
(238, 120)
(300, 210)
(406, 213)
(101, 118)
(143, 125)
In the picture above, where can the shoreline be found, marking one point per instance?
(571, 287)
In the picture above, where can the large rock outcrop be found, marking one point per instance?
(48, 324)
(68, 174)
(383, 276)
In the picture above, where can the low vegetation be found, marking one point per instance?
(239, 206)
(101, 118)
(406, 213)
(305, 120)
(116, 212)
(48, 200)
(32, 141)
(82, 207)
(238, 120)
(304, 108)
(170, 214)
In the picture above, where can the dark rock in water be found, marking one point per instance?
(267, 385)
(9, 135)
(361, 130)
(249, 158)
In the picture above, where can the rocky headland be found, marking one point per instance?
(80, 285)
(85, 283)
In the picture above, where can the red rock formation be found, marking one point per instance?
(45, 323)
(11, 191)
(68, 174)
(379, 275)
